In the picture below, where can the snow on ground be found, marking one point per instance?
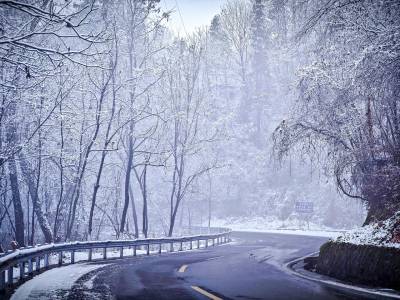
(385, 233)
(321, 233)
(53, 284)
(271, 225)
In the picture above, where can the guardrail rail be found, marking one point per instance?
(32, 260)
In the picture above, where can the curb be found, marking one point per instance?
(336, 284)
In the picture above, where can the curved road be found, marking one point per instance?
(251, 267)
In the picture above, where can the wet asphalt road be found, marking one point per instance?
(251, 267)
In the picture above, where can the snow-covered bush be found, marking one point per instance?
(384, 233)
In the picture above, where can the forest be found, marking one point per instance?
(112, 126)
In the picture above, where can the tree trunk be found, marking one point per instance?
(127, 177)
(41, 216)
(178, 195)
(172, 220)
(71, 218)
(134, 214)
(145, 215)
(60, 198)
(107, 141)
(132, 64)
(96, 188)
(209, 201)
(16, 198)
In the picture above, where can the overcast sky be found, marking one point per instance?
(195, 13)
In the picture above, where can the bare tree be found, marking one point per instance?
(186, 105)
(348, 108)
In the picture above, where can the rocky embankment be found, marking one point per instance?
(369, 255)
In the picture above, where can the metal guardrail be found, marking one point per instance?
(32, 260)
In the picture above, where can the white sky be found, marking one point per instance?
(195, 13)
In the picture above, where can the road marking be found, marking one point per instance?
(205, 293)
(212, 258)
(182, 269)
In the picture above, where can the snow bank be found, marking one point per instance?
(385, 233)
(272, 225)
(58, 279)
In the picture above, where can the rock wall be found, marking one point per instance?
(363, 264)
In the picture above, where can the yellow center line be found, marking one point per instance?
(205, 293)
(182, 269)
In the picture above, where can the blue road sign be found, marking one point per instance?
(305, 207)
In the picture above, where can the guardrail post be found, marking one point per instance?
(10, 274)
(30, 266)
(206, 243)
(21, 270)
(121, 252)
(181, 246)
(2, 281)
(213, 241)
(46, 260)
(90, 254)
(37, 264)
(60, 258)
(172, 247)
(191, 245)
(198, 244)
(72, 256)
(105, 253)
(160, 248)
(148, 249)
(134, 250)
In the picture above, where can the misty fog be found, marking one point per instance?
(114, 126)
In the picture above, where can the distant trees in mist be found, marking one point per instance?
(349, 99)
(111, 126)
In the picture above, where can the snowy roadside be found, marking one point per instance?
(57, 283)
(273, 226)
(321, 233)
(382, 234)
(53, 284)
